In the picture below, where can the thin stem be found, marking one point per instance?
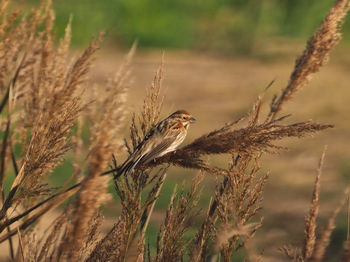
(3, 155)
(14, 219)
(144, 225)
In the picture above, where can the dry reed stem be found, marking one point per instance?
(45, 246)
(346, 252)
(21, 245)
(310, 220)
(323, 242)
(144, 224)
(34, 217)
(93, 188)
(89, 198)
(170, 241)
(315, 55)
(65, 194)
(118, 243)
(200, 241)
(239, 200)
(314, 249)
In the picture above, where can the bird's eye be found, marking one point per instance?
(184, 118)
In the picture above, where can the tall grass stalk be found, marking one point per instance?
(46, 96)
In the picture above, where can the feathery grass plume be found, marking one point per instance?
(121, 237)
(49, 134)
(14, 48)
(239, 201)
(310, 220)
(238, 196)
(200, 247)
(45, 247)
(314, 249)
(293, 253)
(34, 216)
(315, 55)
(149, 115)
(117, 243)
(112, 98)
(324, 239)
(171, 244)
(47, 92)
(227, 233)
(153, 102)
(89, 198)
(227, 139)
(58, 107)
(104, 142)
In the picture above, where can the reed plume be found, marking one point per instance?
(46, 96)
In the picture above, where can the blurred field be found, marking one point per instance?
(217, 90)
(227, 26)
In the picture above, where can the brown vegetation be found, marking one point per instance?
(43, 104)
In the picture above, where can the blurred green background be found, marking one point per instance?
(226, 26)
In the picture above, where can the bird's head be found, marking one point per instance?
(183, 117)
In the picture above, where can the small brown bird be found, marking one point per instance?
(163, 138)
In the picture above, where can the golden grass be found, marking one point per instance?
(43, 99)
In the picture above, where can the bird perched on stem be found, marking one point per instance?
(163, 138)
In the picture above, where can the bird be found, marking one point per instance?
(163, 138)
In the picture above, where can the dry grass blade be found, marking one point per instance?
(205, 233)
(39, 213)
(47, 243)
(310, 220)
(21, 249)
(323, 242)
(346, 253)
(3, 156)
(315, 55)
(147, 215)
(67, 193)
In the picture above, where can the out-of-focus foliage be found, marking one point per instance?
(226, 25)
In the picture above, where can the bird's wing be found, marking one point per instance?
(146, 153)
(157, 150)
(130, 164)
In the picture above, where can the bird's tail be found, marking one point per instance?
(127, 167)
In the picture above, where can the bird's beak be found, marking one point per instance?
(192, 120)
